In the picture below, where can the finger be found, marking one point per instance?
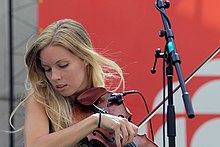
(117, 137)
(131, 132)
(135, 128)
(125, 134)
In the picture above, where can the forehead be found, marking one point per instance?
(53, 54)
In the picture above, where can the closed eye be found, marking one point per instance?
(63, 66)
(47, 70)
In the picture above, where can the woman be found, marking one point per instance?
(62, 63)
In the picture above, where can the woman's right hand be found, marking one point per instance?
(124, 130)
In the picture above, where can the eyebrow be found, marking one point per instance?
(61, 60)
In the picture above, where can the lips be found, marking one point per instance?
(61, 87)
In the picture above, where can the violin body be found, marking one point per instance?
(99, 97)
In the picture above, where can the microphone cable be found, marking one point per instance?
(145, 103)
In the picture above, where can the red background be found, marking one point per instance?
(127, 31)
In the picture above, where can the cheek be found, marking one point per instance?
(78, 77)
(47, 75)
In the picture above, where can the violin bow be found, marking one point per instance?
(153, 112)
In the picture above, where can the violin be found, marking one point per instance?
(96, 100)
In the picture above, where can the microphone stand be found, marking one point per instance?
(172, 59)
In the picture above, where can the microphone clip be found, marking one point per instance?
(116, 97)
(158, 54)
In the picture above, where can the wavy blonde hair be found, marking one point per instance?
(72, 36)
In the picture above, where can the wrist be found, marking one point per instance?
(97, 120)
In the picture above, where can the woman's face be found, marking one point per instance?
(66, 72)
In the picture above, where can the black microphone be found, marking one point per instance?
(117, 97)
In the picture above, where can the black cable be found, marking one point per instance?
(164, 93)
(146, 106)
(163, 14)
(161, 10)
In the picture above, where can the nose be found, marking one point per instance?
(55, 75)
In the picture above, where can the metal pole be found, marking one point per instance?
(11, 80)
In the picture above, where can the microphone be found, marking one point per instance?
(117, 97)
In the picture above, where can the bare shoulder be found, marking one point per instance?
(36, 120)
(32, 102)
(34, 109)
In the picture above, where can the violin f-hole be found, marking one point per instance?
(103, 135)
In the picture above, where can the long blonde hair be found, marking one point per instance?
(72, 36)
